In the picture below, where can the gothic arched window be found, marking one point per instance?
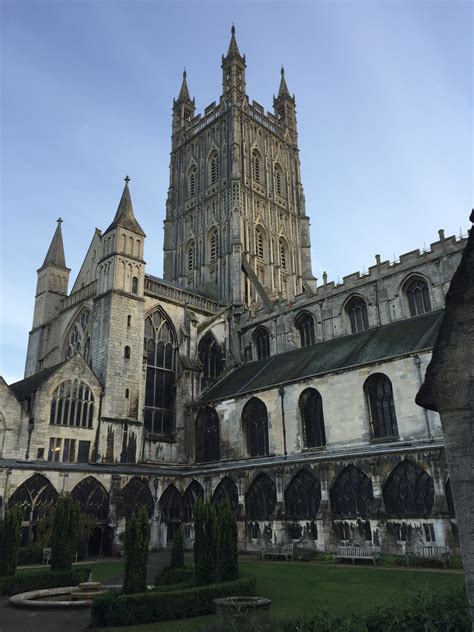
(213, 168)
(193, 493)
(72, 405)
(409, 491)
(304, 323)
(311, 409)
(357, 311)
(212, 359)
(137, 494)
(278, 180)
(93, 498)
(256, 165)
(36, 497)
(192, 181)
(190, 256)
(226, 490)
(134, 285)
(171, 504)
(383, 420)
(283, 257)
(418, 296)
(352, 495)
(78, 340)
(259, 244)
(213, 245)
(261, 340)
(255, 424)
(160, 345)
(303, 496)
(260, 499)
(207, 435)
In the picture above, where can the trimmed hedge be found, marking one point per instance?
(161, 606)
(174, 576)
(30, 554)
(24, 582)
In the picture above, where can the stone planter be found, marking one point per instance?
(243, 608)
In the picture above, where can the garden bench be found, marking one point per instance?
(47, 556)
(358, 553)
(432, 552)
(280, 550)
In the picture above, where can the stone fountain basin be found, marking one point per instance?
(38, 599)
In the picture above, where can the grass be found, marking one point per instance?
(296, 589)
(102, 571)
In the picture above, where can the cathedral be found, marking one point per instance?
(236, 375)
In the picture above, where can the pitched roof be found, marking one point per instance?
(25, 388)
(184, 91)
(233, 50)
(373, 345)
(283, 90)
(55, 252)
(125, 217)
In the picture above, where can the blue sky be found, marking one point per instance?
(384, 99)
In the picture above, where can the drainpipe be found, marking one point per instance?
(417, 361)
(281, 392)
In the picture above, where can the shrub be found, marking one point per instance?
(227, 552)
(30, 554)
(177, 550)
(205, 549)
(174, 576)
(161, 606)
(137, 537)
(10, 531)
(24, 582)
(65, 533)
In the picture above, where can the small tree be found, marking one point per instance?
(137, 537)
(65, 533)
(227, 550)
(10, 531)
(205, 549)
(177, 550)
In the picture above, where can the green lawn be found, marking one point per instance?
(296, 589)
(102, 571)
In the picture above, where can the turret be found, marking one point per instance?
(183, 107)
(284, 107)
(233, 71)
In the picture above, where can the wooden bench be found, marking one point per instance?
(432, 552)
(278, 550)
(354, 553)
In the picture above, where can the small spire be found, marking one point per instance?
(55, 252)
(283, 91)
(233, 48)
(125, 217)
(184, 92)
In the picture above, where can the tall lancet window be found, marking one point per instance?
(190, 257)
(259, 245)
(192, 181)
(283, 255)
(213, 168)
(160, 349)
(256, 166)
(278, 180)
(213, 245)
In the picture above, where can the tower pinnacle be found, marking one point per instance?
(283, 90)
(55, 252)
(184, 91)
(233, 50)
(125, 217)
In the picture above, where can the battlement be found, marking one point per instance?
(444, 246)
(158, 288)
(84, 293)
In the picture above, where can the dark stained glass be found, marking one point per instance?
(261, 339)
(409, 491)
(311, 409)
(418, 297)
(383, 420)
(260, 499)
(304, 323)
(226, 490)
(303, 496)
(136, 494)
(212, 359)
(352, 495)
(171, 504)
(207, 435)
(255, 424)
(357, 310)
(93, 498)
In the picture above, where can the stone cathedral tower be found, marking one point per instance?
(236, 227)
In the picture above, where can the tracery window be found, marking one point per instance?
(418, 296)
(171, 504)
(311, 409)
(72, 405)
(278, 180)
(207, 435)
(36, 496)
(255, 425)
(78, 340)
(213, 169)
(137, 494)
(190, 257)
(192, 181)
(352, 494)
(409, 491)
(304, 323)
(212, 359)
(283, 260)
(160, 346)
(383, 420)
(260, 499)
(214, 246)
(193, 493)
(261, 339)
(93, 498)
(226, 490)
(259, 246)
(303, 496)
(256, 165)
(357, 310)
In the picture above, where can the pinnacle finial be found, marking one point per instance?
(283, 90)
(232, 30)
(60, 220)
(127, 180)
(282, 71)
